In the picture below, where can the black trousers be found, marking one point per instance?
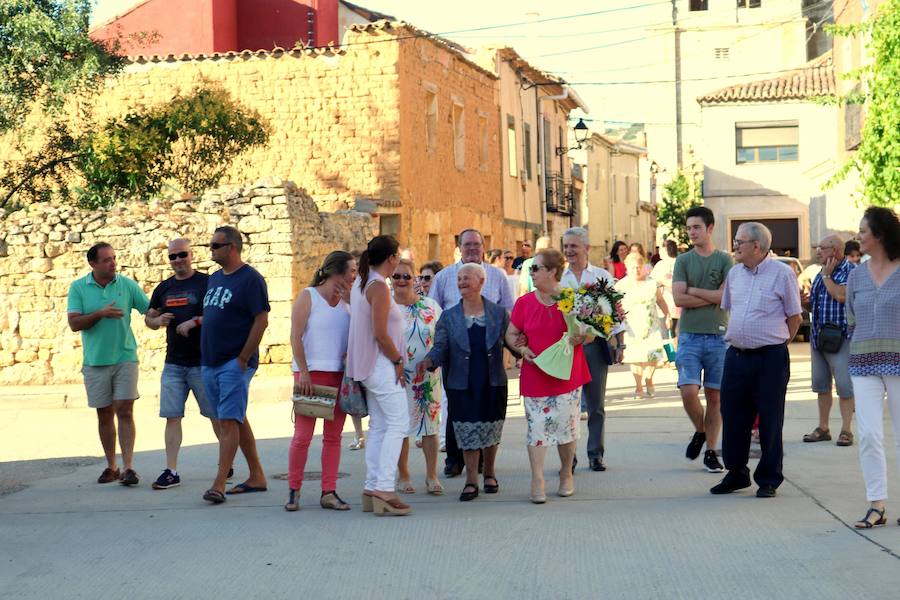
(754, 382)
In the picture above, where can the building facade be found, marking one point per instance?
(769, 157)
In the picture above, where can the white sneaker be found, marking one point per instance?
(358, 443)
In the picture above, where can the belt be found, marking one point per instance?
(759, 350)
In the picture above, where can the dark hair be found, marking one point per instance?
(233, 236)
(614, 253)
(95, 250)
(851, 246)
(671, 248)
(336, 263)
(885, 227)
(379, 249)
(434, 266)
(553, 260)
(704, 213)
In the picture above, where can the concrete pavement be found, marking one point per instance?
(646, 528)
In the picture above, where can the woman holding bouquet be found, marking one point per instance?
(552, 405)
(643, 335)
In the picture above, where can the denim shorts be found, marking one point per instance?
(228, 390)
(826, 365)
(176, 383)
(700, 352)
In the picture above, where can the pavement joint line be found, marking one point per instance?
(859, 532)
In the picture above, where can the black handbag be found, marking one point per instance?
(829, 338)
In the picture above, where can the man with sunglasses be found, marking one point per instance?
(177, 305)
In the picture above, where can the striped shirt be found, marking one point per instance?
(873, 314)
(825, 309)
(496, 288)
(760, 301)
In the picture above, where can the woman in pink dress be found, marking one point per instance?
(551, 405)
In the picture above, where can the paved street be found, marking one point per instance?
(647, 528)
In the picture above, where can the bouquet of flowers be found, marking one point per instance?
(593, 309)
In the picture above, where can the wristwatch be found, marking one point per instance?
(398, 361)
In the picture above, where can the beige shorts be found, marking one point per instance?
(109, 383)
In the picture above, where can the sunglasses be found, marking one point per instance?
(178, 255)
(425, 277)
(399, 276)
(507, 258)
(217, 245)
(535, 268)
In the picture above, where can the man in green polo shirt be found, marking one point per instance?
(100, 305)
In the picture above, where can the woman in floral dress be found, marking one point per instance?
(643, 335)
(423, 391)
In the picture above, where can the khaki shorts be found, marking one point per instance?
(109, 383)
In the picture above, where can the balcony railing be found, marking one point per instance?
(559, 195)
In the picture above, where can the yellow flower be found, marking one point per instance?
(565, 305)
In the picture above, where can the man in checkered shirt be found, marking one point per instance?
(826, 305)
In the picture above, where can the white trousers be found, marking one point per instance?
(870, 392)
(388, 425)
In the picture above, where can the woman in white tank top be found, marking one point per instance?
(320, 325)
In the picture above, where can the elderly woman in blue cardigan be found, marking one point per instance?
(468, 346)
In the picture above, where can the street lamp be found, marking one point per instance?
(581, 134)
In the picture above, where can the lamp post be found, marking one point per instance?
(581, 134)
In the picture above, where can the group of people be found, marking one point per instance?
(428, 350)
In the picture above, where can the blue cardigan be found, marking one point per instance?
(451, 345)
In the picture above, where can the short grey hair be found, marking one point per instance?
(580, 232)
(479, 270)
(760, 234)
(469, 230)
(180, 242)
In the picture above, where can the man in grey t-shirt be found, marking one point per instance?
(697, 282)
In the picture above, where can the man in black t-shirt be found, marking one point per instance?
(177, 305)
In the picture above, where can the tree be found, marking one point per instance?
(48, 80)
(877, 160)
(679, 195)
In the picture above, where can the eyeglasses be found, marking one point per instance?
(425, 277)
(178, 255)
(739, 243)
(217, 245)
(824, 247)
(399, 276)
(535, 268)
(507, 258)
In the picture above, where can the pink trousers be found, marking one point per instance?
(331, 439)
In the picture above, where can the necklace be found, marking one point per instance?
(540, 297)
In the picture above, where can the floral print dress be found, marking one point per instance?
(423, 393)
(643, 335)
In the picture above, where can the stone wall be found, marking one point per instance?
(42, 249)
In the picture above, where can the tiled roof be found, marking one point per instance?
(243, 54)
(815, 79)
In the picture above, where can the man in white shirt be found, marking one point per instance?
(599, 354)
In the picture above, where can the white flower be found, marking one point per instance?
(605, 306)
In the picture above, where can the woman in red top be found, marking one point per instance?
(551, 405)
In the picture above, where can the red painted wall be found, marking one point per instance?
(222, 25)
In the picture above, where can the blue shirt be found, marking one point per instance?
(496, 287)
(230, 306)
(826, 309)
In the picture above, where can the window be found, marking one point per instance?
(389, 224)
(722, 53)
(546, 148)
(482, 141)
(776, 141)
(749, 3)
(511, 146)
(434, 246)
(527, 158)
(458, 118)
(431, 114)
(699, 5)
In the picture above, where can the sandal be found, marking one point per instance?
(405, 487)
(434, 487)
(865, 523)
(293, 503)
(818, 435)
(845, 439)
(332, 501)
(491, 488)
(214, 496)
(466, 496)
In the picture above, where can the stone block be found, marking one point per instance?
(52, 250)
(73, 237)
(280, 288)
(253, 224)
(40, 265)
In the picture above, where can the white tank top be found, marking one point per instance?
(326, 333)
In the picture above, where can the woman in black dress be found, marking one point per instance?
(468, 345)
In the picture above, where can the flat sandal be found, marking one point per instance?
(332, 501)
(865, 523)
